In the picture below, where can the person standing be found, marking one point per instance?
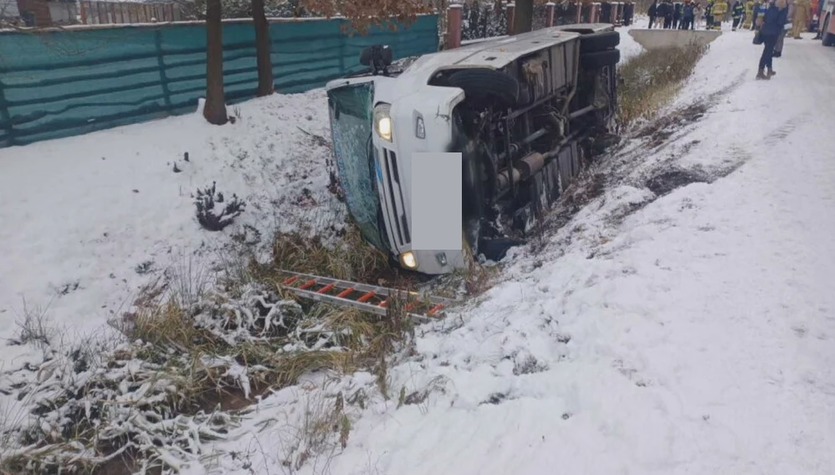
(652, 12)
(676, 15)
(669, 11)
(606, 13)
(720, 9)
(800, 23)
(788, 14)
(709, 15)
(736, 14)
(688, 15)
(773, 20)
(628, 9)
(748, 23)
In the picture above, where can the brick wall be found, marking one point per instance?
(39, 9)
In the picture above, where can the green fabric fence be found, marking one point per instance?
(69, 82)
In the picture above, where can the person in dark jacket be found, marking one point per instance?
(628, 11)
(773, 21)
(665, 11)
(778, 46)
(606, 13)
(676, 15)
(688, 15)
(736, 13)
(652, 12)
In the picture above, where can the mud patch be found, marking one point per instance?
(666, 182)
(495, 399)
(660, 131)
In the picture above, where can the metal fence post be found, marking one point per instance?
(6, 117)
(163, 79)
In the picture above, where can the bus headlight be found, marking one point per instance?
(408, 260)
(382, 121)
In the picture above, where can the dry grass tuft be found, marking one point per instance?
(651, 80)
(352, 259)
(34, 327)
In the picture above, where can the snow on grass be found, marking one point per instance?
(88, 220)
(628, 47)
(664, 312)
(681, 322)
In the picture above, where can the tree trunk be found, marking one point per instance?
(215, 108)
(262, 49)
(523, 16)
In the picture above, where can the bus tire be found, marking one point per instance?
(600, 41)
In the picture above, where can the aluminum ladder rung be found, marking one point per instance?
(370, 298)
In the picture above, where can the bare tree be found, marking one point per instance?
(523, 16)
(262, 49)
(366, 13)
(215, 108)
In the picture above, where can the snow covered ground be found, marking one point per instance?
(88, 220)
(685, 331)
(668, 328)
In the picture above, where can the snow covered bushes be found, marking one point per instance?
(651, 79)
(192, 356)
(213, 217)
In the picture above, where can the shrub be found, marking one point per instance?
(213, 217)
(651, 79)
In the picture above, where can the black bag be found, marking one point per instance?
(758, 38)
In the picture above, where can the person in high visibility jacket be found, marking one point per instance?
(736, 13)
(748, 23)
(802, 10)
(720, 8)
(709, 15)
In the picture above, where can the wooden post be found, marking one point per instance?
(595, 13)
(83, 12)
(549, 14)
(113, 13)
(453, 26)
(100, 16)
(511, 10)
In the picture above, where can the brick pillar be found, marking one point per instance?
(511, 11)
(595, 13)
(549, 14)
(39, 10)
(453, 26)
(83, 11)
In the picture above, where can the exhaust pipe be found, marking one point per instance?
(522, 170)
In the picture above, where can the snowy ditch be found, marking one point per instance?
(215, 354)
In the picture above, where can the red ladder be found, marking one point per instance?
(370, 298)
